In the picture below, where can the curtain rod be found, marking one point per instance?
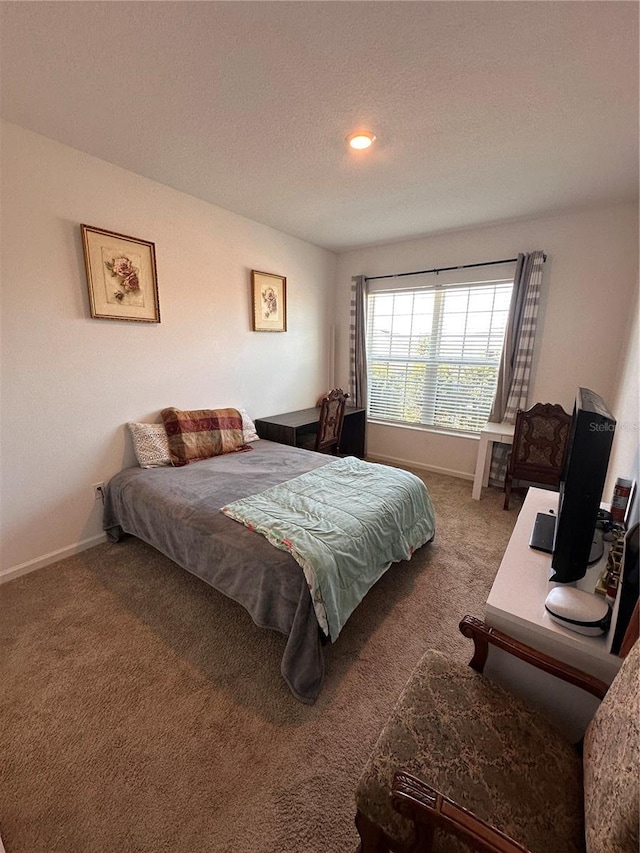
(436, 270)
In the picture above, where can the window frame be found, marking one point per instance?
(451, 281)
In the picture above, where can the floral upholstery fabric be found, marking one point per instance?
(478, 744)
(612, 765)
(543, 441)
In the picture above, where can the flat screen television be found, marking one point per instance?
(570, 535)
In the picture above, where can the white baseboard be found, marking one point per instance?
(47, 559)
(53, 557)
(406, 463)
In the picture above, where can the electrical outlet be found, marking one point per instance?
(98, 491)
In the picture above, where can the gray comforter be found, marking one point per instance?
(177, 511)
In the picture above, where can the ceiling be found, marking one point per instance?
(484, 111)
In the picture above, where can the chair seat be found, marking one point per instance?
(478, 744)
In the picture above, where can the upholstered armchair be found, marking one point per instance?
(462, 764)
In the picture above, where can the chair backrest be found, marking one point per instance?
(330, 421)
(612, 765)
(539, 443)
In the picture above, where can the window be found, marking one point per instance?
(434, 351)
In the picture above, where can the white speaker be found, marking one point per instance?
(578, 611)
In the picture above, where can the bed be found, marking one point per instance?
(178, 512)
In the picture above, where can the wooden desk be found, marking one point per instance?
(288, 428)
(492, 432)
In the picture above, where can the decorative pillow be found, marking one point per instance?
(150, 445)
(202, 433)
(248, 427)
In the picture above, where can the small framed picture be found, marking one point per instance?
(268, 302)
(121, 276)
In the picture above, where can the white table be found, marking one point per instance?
(502, 433)
(516, 607)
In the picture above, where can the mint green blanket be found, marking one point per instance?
(344, 523)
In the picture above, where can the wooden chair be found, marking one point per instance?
(462, 764)
(539, 446)
(330, 422)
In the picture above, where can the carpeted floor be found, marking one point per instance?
(143, 712)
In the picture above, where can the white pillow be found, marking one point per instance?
(150, 444)
(248, 427)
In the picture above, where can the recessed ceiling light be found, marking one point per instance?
(360, 140)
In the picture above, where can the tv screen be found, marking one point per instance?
(581, 486)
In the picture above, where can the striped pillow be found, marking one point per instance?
(202, 433)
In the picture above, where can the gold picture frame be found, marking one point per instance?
(268, 302)
(121, 276)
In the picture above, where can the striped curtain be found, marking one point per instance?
(517, 354)
(357, 343)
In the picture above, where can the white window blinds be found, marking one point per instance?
(433, 353)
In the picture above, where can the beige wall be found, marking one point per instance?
(589, 294)
(70, 383)
(625, 461)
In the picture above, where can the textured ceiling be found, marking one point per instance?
(484, 111)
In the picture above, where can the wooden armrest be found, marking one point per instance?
(424, 805)
(483, 636)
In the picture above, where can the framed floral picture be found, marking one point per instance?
(121, 276)
(268, 302)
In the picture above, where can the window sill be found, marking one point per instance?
(451, 433)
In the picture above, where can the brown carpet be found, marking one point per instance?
(143, 711)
